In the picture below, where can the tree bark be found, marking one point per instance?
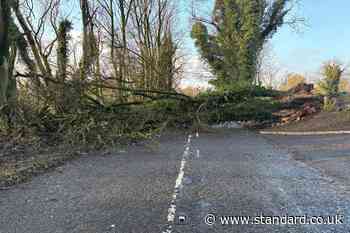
(4, 53)
(31, 41)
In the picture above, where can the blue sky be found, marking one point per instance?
(326, 36)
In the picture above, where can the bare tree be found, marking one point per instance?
(268, 69)
(114, 18)
(143, 50)
(153, 38)
(89, 62)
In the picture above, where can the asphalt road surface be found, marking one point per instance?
(192, 184)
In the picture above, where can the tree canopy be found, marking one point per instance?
(332, 72)
(231, 41)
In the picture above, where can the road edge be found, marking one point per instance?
(289, 133)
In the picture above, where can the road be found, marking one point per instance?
(172, 186)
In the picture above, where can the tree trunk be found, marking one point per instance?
(31, 41)
(4, 52)
(3, 82)
(84, 66)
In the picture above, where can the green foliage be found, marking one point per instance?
(252, 109)
(95, 127)
(240, 30)
(239, 104)
(332, 73)
(73, 107)
(66, 97)
(236, 94)
(174, 113)
(98, 126)
(63, 39)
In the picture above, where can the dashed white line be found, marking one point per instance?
(198, 155)
(178, 187)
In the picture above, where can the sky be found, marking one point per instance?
(325, 35)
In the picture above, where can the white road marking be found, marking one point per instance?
(304, 133)
(178, 187)
(189, 140)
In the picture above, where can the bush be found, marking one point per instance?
(329, 104)
(332, 73)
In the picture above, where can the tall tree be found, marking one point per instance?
(115, 21)
(332, 72)
(4, 51)
(166, 62)
(153, 22)
(8, 53)
(33, 26)
(63, 39)
(63, 95)
(143, 49)
(239, 30)
(90, 53)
